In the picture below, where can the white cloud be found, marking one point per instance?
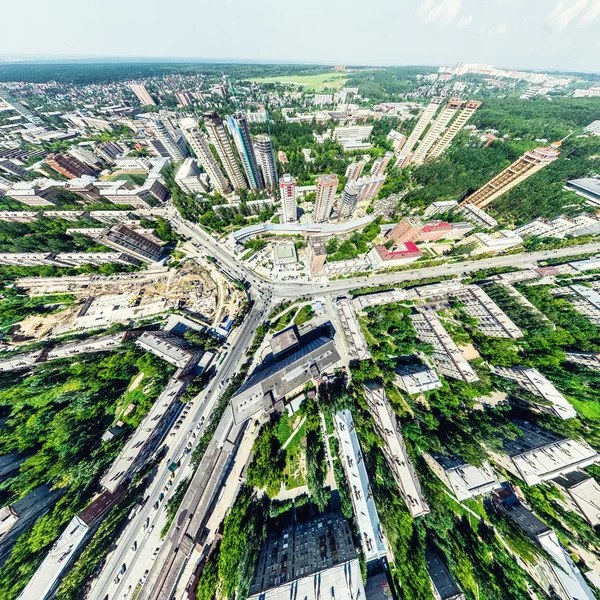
(465, 22)
(583, 12)
(500, 29)
(592, 13)
(441, 11)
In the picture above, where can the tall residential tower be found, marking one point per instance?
(326, 189)
(218, 137)
(199, 145)
(467, 111)
(266, 160)
(287, 189)
(238, 125)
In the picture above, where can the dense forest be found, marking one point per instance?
(55, 416)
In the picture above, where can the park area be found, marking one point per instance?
(315, 83)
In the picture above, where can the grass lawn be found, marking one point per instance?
(294, 473)
(589, 410)
(284, 320)
(317, 82)
(306, 313)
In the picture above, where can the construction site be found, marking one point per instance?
(198, 291)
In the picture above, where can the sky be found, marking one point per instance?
(529, 34)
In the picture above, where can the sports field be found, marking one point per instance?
(314, 83)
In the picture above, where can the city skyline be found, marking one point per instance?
(551, 35)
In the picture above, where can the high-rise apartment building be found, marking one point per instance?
(421, 125)
(353, 171)
(369, 186)
(199, 145)
(435, 131)
(326, 189)
(69, 166)
(266, 160)
(175, 147)
(243, 142)
(466, 112)
(348, 201)
(520, 170)
(380, 164)
(287, 190)
(218, 138)
(142, 94)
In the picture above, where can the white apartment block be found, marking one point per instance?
(586, 301)
(322, 99)
(491, 242)
(395, 451)
(539, 455)
(352, 133)
(534, 382)
(367, 519)
(559, 227)
(448, 359)
(355, 338)
(416, 379)
(287, 189)
(591, 360)
(462, 479)
(188, 177)
(491, 319)
(478, 216)
(581, 494)
(441, 207)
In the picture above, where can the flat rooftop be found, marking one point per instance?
(284, 340)
(273, 380)
(302, 550)
(466, 480)
(440, 576)
(367, 518)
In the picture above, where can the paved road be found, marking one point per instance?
(148, 537)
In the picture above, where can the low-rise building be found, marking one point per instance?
(481, 243)
(395, 450)
(171, 348)
(188, 177)
(586, 301)
(588, 187)
(462, 479)
(357, 344)
(439, 208)
(448, 359)
(273, 380)
(538, 455)
(382, 258)
(416, 379)
(19, 516)
(478, 216)
(560, 575)
(581, 494)
(284, 253)
(533, 381)
(365, 512)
